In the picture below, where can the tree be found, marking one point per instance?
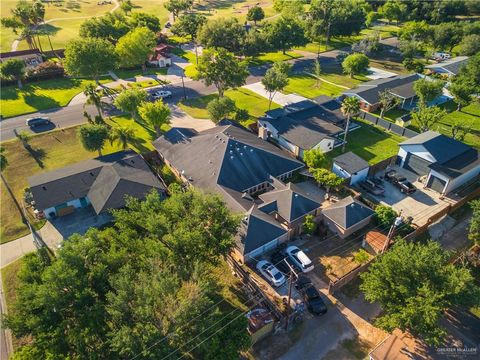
(93, 97)
(461, 89)
(474, 224)
(275, 79)
(255, 14)
(371, 18)
(350, 107)
(415, 283)
(415, 31)
(134, 48)
(13, 69)
(254, 43)
(460, 129)
(129, 101)
(140, 19)
(446, 36)
(111, 27)
(156, 114)
(427, 90)
(315, 159)
(309, 225)
(393, 10)
(177, 6)
(361, 256)
(189, 25)
(317, 71)
(284, 34)
(220, 108)
(426, 117)
(3, 159)
(289, 8)
(122, 136)
(93, 137)
(470, 45)
(327, 178)
(222, 33)
(220, 68)
(89, 57)
(415, 65)
(126, 6)
(385, 216)
(154, 274)
(355, 64)
(409, 48)
(387, 101)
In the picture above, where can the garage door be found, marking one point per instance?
(417, 165)
(436, 184)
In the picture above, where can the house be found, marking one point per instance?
(161, 56)
(304, 125)
(350, 166)
(234, 163)
(102, 182)
(446, 163)
(347, 216)
(449, 67)
(288, 205)
(31, 57)
(401, 86)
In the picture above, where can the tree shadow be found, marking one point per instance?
(10, 92)
(40, 102)
(48, 29)
(37, 154)
(73, 5)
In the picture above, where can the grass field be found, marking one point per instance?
(256, 105)
(470, 115)
(370, 143)
(305, 85)
(271, 57)
(41, 95)
(51, 151)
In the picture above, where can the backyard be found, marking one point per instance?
(41, 95)
(370, 143)
(306, 85)
(52, 150)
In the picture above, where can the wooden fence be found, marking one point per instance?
(382, 165)
(344, 280)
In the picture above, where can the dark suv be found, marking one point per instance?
(32, 122)
(310, 295)
(400, 182)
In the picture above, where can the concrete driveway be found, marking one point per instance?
(420, 205)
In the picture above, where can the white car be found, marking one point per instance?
(161, 94)
(299, 258)
(271, 273)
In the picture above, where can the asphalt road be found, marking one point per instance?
(73, 115)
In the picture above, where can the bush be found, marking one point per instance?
(221, 108)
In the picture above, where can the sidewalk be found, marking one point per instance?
(279, 98)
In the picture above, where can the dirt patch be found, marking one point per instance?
(356, 348)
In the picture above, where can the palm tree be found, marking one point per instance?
(123, 136)
(93, 97)
(3, 159)
(350, 107)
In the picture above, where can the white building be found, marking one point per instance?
(350, 166)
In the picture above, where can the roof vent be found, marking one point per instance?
(231, 157)
(244, 146)
(190, 178)
(241, 154)
(231, 152)
(251, 150)
(91, 173)
(216, 136)
(210, 161)
(183, 172)
(44, 188)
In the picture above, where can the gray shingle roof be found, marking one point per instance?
(351, 162)
(258, 230)
(452, 65)
(226, 160)
(369, 90)
(306, 124)
(347, 212)
(105, 180)
(441, 147)
(289, 202)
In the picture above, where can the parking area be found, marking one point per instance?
(420, 205)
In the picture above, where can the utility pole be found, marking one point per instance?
(398, 221)
(290, 281)
(183, 84)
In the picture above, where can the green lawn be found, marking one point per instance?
(256, 105)
(370, 143)
(40, 95)
(391, 115)
(132, 73)
(187, 55)
(305, 85)
(271, 57)
(52, 150)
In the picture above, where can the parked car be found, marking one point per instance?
(440, 56)
(299, 258)
(271, 273)
(161, 94)
(372, 188)
(168, 25)
(311, 296)
(280, 261)
(32, 122)
(400, 182)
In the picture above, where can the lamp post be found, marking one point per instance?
(183, 85)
